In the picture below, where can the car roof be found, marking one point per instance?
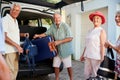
(54, 4)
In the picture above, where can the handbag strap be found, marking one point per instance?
(28, 40)
(110, 51)
(27, 43)
(31, 65)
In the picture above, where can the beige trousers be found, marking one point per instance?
(91, 67)
(12, 62)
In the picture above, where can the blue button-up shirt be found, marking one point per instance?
(66, 49)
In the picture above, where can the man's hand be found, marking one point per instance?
(20, 49)
(36, 36)
(39, 35)
(26, 34)
(58, 42)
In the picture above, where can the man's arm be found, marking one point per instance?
(24, 34)
(39, 35)
(9, 41)
(63, 41)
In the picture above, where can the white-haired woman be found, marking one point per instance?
(116, 47)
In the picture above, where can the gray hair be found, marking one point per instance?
(15, 4)
(57, 13)
(118, 12)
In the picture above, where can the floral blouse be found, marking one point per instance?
(117, 67)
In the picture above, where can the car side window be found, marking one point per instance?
(33, 23)
(46, 22)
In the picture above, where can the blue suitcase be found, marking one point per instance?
(43, 48)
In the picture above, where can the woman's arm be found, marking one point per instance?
(116, 48)
(82, 56)
(102, 43)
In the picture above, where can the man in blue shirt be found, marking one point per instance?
(63, 41)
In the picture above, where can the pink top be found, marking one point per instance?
(93, 44)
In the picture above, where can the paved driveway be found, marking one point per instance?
(77, 73)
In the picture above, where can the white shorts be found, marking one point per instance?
(66, 61)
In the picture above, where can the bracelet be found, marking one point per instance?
(118, 51)
(110, 46)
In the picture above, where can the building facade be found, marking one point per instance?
(80, 23)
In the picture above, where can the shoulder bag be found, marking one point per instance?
(107, 66)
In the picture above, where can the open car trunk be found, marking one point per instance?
(35, 15)
(54, 4)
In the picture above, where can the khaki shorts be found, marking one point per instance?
(66, 61)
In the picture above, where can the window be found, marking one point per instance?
(46, 22)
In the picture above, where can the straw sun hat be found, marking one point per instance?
(97, 13)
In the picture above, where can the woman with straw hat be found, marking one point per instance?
(94, 50)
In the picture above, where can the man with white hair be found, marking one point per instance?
(63, 41)
(4, 69)
(12, 39)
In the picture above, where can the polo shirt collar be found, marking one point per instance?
(9, 16)
(59, 25)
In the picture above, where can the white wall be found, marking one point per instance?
(80, 22)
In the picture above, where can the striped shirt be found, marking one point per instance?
(66, 49)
